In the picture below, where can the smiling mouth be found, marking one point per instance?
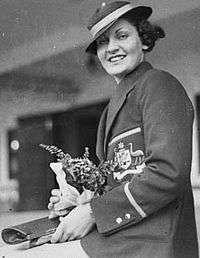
(117, 58)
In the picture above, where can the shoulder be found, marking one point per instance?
(160, 84)
(160, 88)
(159, 79)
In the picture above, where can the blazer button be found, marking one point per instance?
(119, 220)
(127, 216)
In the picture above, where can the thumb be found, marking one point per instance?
(58, 234)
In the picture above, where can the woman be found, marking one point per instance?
(147, 128)
(148, 211)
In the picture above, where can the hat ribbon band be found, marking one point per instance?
(110, 18)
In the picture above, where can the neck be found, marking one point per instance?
(117, 79)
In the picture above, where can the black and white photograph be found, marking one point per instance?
(99, 129)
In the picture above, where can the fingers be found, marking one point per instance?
(62, 212)
(50, 206)
(58, 204)
(63, 204)
(58, 213)
(57, 236)
(56, 192)
(54, 199)
(72, 237)
(61, 235)
(52, 203)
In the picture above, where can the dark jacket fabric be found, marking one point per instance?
(148, 211)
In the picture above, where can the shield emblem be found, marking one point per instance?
(123, 158)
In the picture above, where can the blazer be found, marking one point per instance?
(148, 211)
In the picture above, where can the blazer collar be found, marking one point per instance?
(120, 93)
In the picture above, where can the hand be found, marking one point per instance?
(75, 225)
(58, 203)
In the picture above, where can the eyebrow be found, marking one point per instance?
(106, 35)
(118, 29)
(124, 29)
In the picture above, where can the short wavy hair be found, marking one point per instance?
(148, 32)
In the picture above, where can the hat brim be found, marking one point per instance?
(138, 13)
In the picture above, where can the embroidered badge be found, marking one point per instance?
(128, 161)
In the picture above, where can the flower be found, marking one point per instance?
(82, 173)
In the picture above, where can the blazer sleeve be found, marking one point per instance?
(167, 116)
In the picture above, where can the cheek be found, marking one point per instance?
(135, 47)
(135, 52)
(102, 59)
(139, 46)
(100, 55)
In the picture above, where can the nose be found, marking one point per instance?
(112, 46)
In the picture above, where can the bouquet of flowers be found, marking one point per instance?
(80, 173)
(79, 180)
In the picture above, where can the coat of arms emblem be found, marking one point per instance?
(123, 156)
(128, 161)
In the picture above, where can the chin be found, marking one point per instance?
(120, 70)
(115, 71)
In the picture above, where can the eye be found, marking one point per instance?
(101, 41)
(123, 36)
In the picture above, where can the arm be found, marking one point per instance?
(167, 116)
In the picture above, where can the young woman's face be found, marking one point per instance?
(120, 49)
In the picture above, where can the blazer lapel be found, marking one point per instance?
(115, 105)
(101, 135)
(120, 95)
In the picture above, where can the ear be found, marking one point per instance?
(144, 47)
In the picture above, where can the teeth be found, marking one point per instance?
(115, 58)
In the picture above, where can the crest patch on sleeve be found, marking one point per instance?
(128, 161)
